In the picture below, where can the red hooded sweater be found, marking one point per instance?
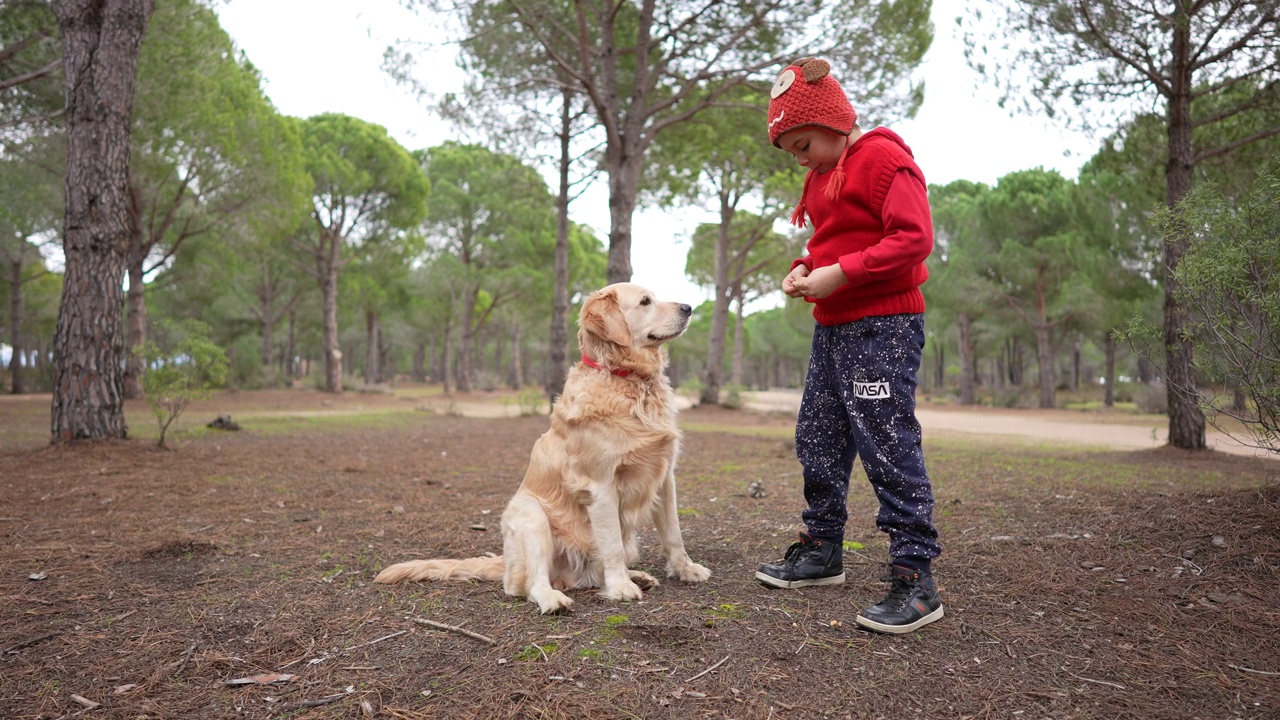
(878, 228)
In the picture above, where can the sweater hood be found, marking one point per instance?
(885, 132)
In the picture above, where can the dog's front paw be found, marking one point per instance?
(687, 570)
(551, 601)
(624, 590)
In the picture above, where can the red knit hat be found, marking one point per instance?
(805, 95)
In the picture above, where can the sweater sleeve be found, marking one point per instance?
(908, 234)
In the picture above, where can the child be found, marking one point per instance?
(872, 231)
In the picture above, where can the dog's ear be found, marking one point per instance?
(602, 317)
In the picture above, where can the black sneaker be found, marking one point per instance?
(911, 603)
(809, 562)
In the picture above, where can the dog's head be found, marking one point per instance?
(625, 319)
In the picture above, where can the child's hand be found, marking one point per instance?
(820, 283)
(789, 282)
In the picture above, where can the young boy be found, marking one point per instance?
(872, 231)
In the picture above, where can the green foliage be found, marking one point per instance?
(29, 48)
(530, 400)
(184, 365)
(366, 184)
(1229, 282)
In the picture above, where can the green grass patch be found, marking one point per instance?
(285, 424)
(533, 652)
(780, 433)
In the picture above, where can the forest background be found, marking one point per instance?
(323, 250)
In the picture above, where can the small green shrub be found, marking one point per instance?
(691, 389)
(183, 364)
(732, 398)
(530, 400)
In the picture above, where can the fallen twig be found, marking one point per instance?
(375, 642)
(1099, 682)
(28, 643)
(704, 672)
(1242, 668)
(456, 629)
(186, 658)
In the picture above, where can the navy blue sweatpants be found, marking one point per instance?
(859, 401)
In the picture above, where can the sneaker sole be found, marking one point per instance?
(899, 629)
(772, 581)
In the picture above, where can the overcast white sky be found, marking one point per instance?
(325, 56)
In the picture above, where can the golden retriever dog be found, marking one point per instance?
(606, 465)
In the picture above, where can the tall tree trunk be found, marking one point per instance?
(100, 44)
(1044, 358)
(446, 366)
(371, 332)
(1109, 351)
(624, 185)
(964, 331)
(136, 300)
(1075, 363)
(267, 314)
(328, 271)
(515, 378)
(16, 365)
(939, 367)
(739, 341)
(714, 374)
(464, 379)
(291, 352)
(1186, 420)
(557, 363)
(420, 362)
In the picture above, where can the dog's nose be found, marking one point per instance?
(686, 309)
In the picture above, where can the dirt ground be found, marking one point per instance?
(231, 578)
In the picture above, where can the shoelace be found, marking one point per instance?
(900, 594)
(792, 551)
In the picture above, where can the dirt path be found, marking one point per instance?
(1052, 426)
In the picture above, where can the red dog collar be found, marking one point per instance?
(592, 363)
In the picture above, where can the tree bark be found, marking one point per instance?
(16, 364)
(1109, 350)
(515, 378)
(328, 259)
(371, 333)
(714, 374)
(1186, 420)
(964, 331)
(739, 341)
(1075, 364)
(420, 362)
(624, 185)
(557, 362)
(293, 366)
(1044, 359)
(465, 379)
(100, 45)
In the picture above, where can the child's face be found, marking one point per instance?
(813, 147)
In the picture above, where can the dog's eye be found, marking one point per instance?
(644, 300)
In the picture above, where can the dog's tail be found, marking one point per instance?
(477, 568)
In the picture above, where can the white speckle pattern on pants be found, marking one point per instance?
(845, 415)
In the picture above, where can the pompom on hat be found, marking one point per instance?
(805, 95)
